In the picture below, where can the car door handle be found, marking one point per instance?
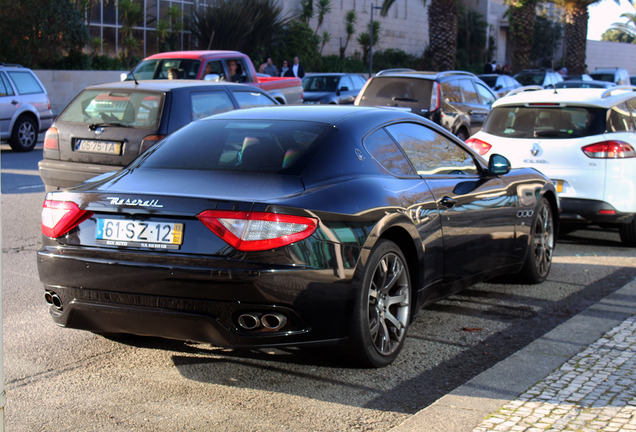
(448, 202)
(14, 102)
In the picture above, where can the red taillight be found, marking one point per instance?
(481, 147)
(59, 217)
(434, 97)
(609, 150)
(257, 231)
(52, 139)
(148, 142)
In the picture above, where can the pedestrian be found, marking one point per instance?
(297, 70)
(284, 68)
(270, 68)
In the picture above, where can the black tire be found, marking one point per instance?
(382, 309)
(24, 135)
(628, 233)
(541, 248)
(462, 134)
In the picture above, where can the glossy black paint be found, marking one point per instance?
(454, 229)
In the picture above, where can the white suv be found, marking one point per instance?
(25, 108)
(582, 139)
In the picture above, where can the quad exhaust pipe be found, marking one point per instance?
(254, 321)
(53, 299)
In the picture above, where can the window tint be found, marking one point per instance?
(452, 91)
(131, 108)
(486, 96)
(386, 152)
(209, 103)
(248, 99)
(25, 82)
(620, 119)
(5, 87)
(432, 153)
(237, 145)
(398, 91)
(545, 122)
(469, 92)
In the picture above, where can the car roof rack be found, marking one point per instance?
(525, 89)
(608, 92)
(455, 72)
(10, 64)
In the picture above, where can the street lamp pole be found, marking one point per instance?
(371, 40)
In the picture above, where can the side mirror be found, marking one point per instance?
(123, 76)
(498, 165)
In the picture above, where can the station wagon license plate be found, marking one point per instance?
(101, 147)
(130, 233)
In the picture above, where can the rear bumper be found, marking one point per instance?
(61, 174)
(199, 302)
(591, 211)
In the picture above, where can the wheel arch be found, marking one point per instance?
(23, 114)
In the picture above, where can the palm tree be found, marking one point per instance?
(522, 17)
(442, 31)
(575, 39)
(622, 32)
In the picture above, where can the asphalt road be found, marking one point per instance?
(68, 380)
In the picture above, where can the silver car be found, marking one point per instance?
(25, 108)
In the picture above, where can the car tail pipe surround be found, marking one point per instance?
(270, 321)
(53, 299)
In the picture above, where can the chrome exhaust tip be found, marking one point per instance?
(249, 321)
(274, 321)
(53, 299)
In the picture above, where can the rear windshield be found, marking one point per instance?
(603, 76)
(125, 108)
(398, 91)
(545, 122)
(321, 83)
(158, 69)
(237, 145)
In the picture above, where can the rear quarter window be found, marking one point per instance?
(25, 82)
(249, 99)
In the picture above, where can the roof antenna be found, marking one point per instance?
(131, 74)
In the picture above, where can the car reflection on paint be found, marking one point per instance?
(292, 226)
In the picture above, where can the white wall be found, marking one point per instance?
(600, 54)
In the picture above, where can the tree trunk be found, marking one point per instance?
(442, 34)
(576, 38)
(522, 16)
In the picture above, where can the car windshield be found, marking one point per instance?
(119, 107)
(158, 69)
(545, 122)
(321, 83)
(237, 145)
(398, 91)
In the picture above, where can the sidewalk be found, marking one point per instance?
(581, 376)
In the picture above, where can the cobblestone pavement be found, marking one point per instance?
(593, 391)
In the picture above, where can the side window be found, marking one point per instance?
(631, 104)
(5, 87)
(209, 103)
(469, 92)
(25, 82)
(432, 153)
(248, 99)
(452, 91)
(213, 67)
(358, 82)
(620, 119)
(384, 150)
(486, 96)
(345, 81)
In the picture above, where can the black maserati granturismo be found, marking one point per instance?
(292, 226)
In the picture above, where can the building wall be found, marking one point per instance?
(600, 54)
